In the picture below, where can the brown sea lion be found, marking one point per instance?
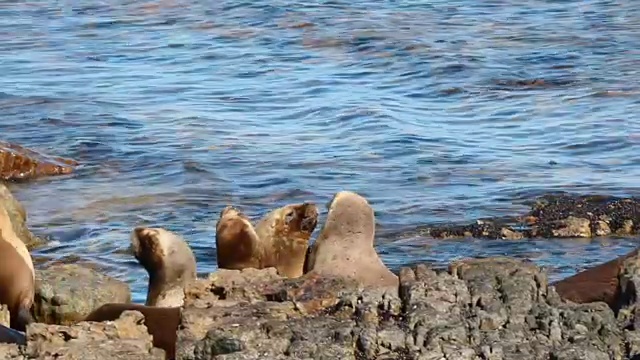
(161, 322)
(598, 283)
(344, 247)
(169, 261)
(17, 275)
(279, 240)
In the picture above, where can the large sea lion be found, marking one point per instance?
(169, 261)
(161, 322)
(17, 275)
(344, 248)
(598, 283)
(279, 240)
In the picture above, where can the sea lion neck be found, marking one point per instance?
(348, 223)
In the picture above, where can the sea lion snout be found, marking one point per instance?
(303, 217)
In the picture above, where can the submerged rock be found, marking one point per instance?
(19, 163)
(67, 293)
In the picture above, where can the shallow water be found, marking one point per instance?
(430, 109)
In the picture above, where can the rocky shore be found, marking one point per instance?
(495, 308)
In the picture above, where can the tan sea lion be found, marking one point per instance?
(17, 275)
(161, 322)
(598, 283)
(169, 261)
(344, 247)
(280, 239)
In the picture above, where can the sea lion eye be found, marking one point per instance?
(289, 217)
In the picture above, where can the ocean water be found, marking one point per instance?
(436, 111)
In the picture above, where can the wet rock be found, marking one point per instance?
(67, 293)
(551, 216)
(496, 308)
(18, 217)
(19, 163)
(569, 227)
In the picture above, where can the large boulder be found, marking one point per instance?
(67, 293)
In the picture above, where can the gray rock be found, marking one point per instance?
(62, 297)
(495, 308)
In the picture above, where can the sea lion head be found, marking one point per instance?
(169, 261)
(236, 241)
(349, 214)
(284, 234)
(345, 246)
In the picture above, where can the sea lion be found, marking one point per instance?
(344, 248)
(169, 262)
(17, 275)
(280, 239)
(161, 322)
(598, 283)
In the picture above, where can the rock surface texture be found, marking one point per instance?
(495, 308)
(125, 338)
(62, 295)
(19, 163)
(552, 216)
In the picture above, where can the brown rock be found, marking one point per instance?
(572, 227)
(602, 228)
(19, 163)
(509, 234)
(626, 228)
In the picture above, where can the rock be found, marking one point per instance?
(602, 228)
(570, 227)
(4, 315)
(496, 308)
(557, 216)
(19, 163)
(509, 234)
(125, 338)
(18, 217)
(67, 293)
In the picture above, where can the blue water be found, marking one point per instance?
(430, 109)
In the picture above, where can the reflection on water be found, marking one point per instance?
(438, 111)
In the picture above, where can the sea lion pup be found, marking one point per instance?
(279, 240)
(168, 260)
(344, 248)
(17, 275)
(161, 322)
(598, 283)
